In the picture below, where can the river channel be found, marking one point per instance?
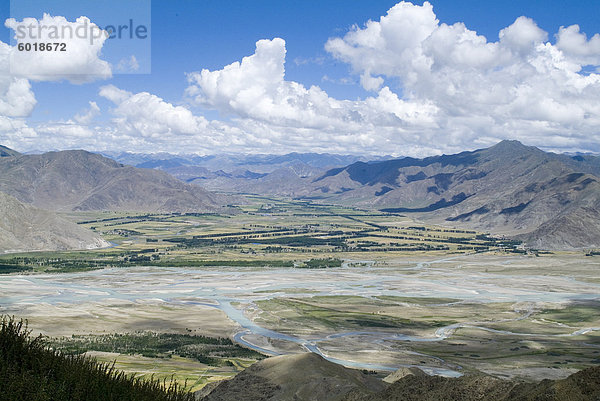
(227, 287)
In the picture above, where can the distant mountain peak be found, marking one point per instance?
(509, 142)
(7, 152)
(511, 145)
(509, 149)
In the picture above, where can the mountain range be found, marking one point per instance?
(80, 180)
(545, 199)
(34, 189)
(228, 163)
(548, 200)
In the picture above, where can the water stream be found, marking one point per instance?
(220, 287)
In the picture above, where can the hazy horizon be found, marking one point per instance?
(369, 156)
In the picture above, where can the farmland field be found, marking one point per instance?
(369, 290)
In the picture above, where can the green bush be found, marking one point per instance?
(31, 371)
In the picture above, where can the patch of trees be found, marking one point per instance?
(229, 238)
(320, 263)
(7, 268)
(207, 350)
(303, 240)
(20, 264)
(58, 265)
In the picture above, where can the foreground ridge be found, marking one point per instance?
(311, 377)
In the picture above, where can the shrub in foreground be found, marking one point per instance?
(31, 371)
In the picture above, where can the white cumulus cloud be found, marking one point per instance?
(459, 89)
(79, 63)
(257, 94)
(16, 96)
(433, 87)
(148, 115)
(87, 117)
(147, 122)
(576, 45)
(521, 86)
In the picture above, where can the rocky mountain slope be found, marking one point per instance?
(6, 152)
(548, 200)
(581, 386)
(293, 179)
(308, 377)
(79, 180)
(26, 228)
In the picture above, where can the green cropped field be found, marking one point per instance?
(264, 232)
(199, 297)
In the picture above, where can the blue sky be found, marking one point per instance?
(188, 36)
(191, 35)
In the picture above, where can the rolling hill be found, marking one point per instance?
(26, 228)
(294, 377)
(80, 180)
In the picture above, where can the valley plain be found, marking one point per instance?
(370, 290)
